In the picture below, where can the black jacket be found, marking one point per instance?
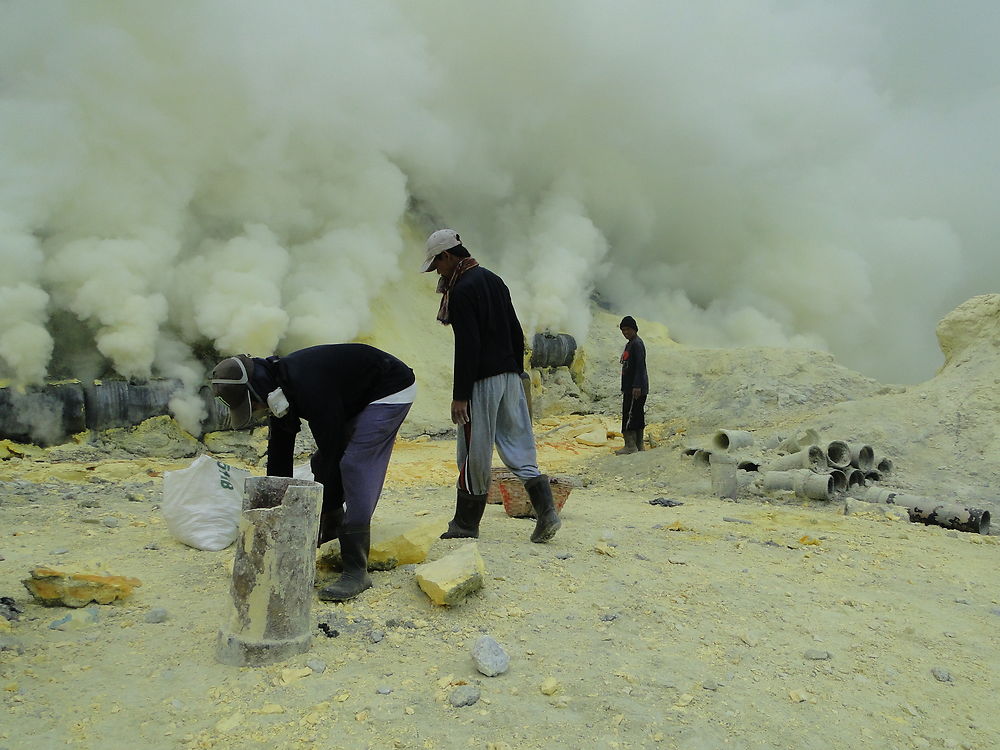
(327, 386)
(488, 335)
(633, 362)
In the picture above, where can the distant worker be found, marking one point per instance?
(489, 405)
(354, 398)
(635, 387)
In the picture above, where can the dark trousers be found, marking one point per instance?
(633, 412)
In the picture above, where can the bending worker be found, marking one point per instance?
(354, 398)
(489, 405)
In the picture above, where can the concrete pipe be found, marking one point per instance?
(839, 481)
(874, 494)
(747, 464)
(723, 473)
(855, 477)
(811, 457)
(702, 457)
(838, 454)
(862, 456)
(873, 476)
(785, 480)
(817, 487)
(552, 350)
(273, 573)
(883, 465)
(797, 442)
(730, 440)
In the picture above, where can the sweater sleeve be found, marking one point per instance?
(468, 344)
(281, 446)
(639, 363)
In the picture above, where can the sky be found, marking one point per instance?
(185, 178)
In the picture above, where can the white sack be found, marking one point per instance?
(202, 503)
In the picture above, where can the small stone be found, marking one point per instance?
(152, 545)
(133, 498)
(710, 685)
(941, 675)
(563, 556)
(60, 551)
(490, 657)
(111, 523)
(550, 686)
(609, 617)
(464, 695)
(376, 636)
(384, 690)
(76, 620)
(156, 615)
(91, 520)
(816, 655)
(88, 502)
(316, 665)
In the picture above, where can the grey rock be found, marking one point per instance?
(88, 502)
(376, 636)
(941, 675)
(563, 556)
(111, 523)
(464, 695)
(816, 655)
(384, 690)
(157, 614)
(60, 551)
(316, 665)
(92, 520)
(152, 545)
(490, 657)
(710, 685)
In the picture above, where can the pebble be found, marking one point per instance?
(92, 520)
(816, 655)
(464, 695)
(111, 523)
(941, 675)
(60, 551)
(563, 556)
(490, 657)
(376, 635)
(609, 617)
(710, 685)
(133, 498)
(316, 665)
(730, 519)
(157, 614)
(152, 545)
(88, 502)
(384, 690)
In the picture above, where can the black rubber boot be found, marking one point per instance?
(639, 439)
(630, 446)
(469, 511)
(548, 522)
(355, 541)
(330, 519)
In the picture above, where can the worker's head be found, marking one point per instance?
(629, 327)
(231, 385)
(444, 251)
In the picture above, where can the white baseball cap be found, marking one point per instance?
(437, 243)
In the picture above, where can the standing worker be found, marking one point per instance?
(354, 398)
(635, 387)
(488, 403)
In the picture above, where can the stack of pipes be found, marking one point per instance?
(826, 471)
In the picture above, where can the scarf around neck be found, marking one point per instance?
(445, 286)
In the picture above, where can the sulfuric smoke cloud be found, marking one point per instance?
(182, 177)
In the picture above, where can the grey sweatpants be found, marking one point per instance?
(498, 414)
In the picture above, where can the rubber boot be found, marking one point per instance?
(330, 519)
(630, 446)
(638, 440)
(469, 511)
(548, 523)
(355, 541)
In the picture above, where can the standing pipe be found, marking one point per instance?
(723, 474)
(273, 573)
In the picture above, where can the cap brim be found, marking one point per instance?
(237, 398)
(427, 264)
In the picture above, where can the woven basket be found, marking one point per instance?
(508, 490)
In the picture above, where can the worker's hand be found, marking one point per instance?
(636, 392)
(460, 412)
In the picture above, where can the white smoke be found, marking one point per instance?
(186, 175)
